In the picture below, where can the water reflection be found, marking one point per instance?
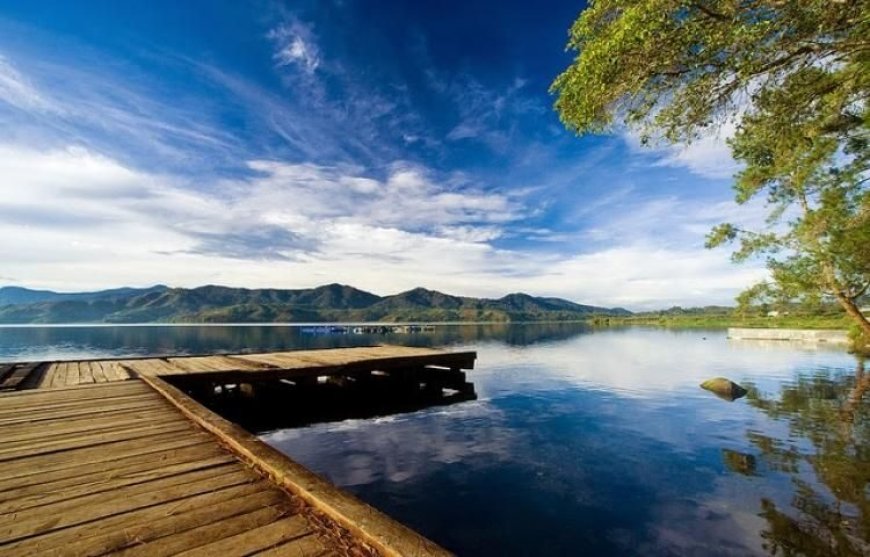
(604, 441)
(829, 513)
(32, 343)
(597, 442)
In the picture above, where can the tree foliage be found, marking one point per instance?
(794, 78)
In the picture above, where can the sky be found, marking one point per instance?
(382, 144)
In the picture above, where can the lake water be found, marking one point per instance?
(581, 442)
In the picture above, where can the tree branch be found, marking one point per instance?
(710, 13)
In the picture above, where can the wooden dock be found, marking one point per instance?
(108, 457)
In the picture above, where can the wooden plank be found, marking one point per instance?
(22, 450)
(58, 379)
(141, 525)
(58, 399)
(47, 481)
(56, 439)
(49, 496)
(73, 375)
(84, 371)
(48, 376)
(37, 520)
(15, 469)
(5, 369)
(18, 374)
(225, 362)
(205, 363)
(391, 538)
(53, 400)
(73, 411)
(306, 546)
(97, 372)
(153, 366)
(40, 432)
(45, 428)
(138, 535)
(72, 392)
(251, 538)
(115, 371)
(213, 532)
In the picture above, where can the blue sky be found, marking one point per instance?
(381, 144)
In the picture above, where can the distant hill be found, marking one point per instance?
(332, 302)
(18, 295)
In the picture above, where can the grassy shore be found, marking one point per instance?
(840, 322)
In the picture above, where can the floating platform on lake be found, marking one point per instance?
(830, 336)
(110, 457)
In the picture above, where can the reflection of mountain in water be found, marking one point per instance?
(43, 343)
(829, 513)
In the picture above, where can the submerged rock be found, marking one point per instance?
(742, 463)
(724, 388)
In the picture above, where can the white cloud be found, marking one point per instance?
(708, 156)
(55, 104)
(16, 90)
(295, 44)
(72, 219)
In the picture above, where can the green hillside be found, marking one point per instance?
(329, 303)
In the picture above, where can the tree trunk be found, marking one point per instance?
(855, 313)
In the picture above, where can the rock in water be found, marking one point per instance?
(724, 388)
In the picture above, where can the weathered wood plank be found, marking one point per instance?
(15, 469)
(209, 363)
(153, 366)
(115, 371)
(39, 406)
(71, 412)
(213, 532)
(141, 525)
(73, 375)
(272, 365)
(375, 528)
(251, 538)
(49, 497)
(18, 374)
(48, 376)
(97, 372)
(70, 392)
(48, 481)
(38, 433)
(81, 441)
(60, 376)
(84, 371)
(35, 521)
(5, 369)
(138, 535)
(306, 546)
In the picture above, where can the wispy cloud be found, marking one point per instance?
(122, 226)
(708, 156)
(58, 103)
(295, 43)
(17, 91)
(485, 114)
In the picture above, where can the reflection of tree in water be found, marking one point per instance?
(833, 414)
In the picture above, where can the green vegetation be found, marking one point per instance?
(716, 317)
(794, 77)
(330, 303)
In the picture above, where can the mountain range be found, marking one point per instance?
(329, 303)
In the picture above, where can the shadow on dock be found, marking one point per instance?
(268, 405)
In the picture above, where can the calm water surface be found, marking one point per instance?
(582, 442)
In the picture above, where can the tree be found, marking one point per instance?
(794, 78)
